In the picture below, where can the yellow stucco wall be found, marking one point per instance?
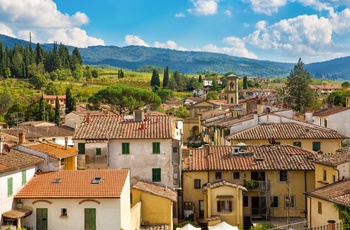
(330, 174)
(190, 194)
(327, 145)
(328, 212)
(188, 125)
(70, 163)
(154, 209)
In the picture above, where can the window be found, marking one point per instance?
(188, 205)
(319, 207)
(90, 218)
(224, 205)
(324, 175)
(258, 175)
(316, 146)
(245, 201)
(96, 180)
(277, 143)
(24, 177)
(325, 123)
(9, 186)
(333, 178)
(289, 201)
(81, 148)
(63, 212)
(236, 175)
(125, 148)
(218, 175)
(297, 144)
(283, 175)
(197, 183)
(98, 151)
(274, 202)
(156, 175)
(174, 149)
(156, 148)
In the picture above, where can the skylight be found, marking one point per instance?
(96, 180)
(56, 181)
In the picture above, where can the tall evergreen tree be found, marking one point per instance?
(39, 54)
(166, 77)
(64, 56)
(299, 94)
(120, 74)
(57, 111)
(155, 82)
(200, 79)
(69, 100)
(75, 59)
(245, 82)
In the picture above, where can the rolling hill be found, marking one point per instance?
(187, 62)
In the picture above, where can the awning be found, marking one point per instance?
(17, 213)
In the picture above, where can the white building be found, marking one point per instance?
(148, 145)
(83, 199)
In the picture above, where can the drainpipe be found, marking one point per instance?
(305, 189)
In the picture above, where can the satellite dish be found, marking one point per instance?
(7, 148)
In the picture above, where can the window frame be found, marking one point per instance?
(245, 202)
(24, 177)
(125, 148)
(293, 202)
(233, 175)
(156, 175)
(319, 207)
(81, 148)
(316, 146)
(297, 144)
(324, 175)
(283, 176)
(188, 205)
(216, 176)
(197, 183)
(273, 201)
(98, 151)
(224, 206)
(156, 147)
(9, 186)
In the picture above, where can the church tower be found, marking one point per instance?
(232, 89)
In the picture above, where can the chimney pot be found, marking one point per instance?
(22, 137)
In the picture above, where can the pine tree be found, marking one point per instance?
(57, 111)
(155, 82)
(299, 94)
(166, 77)
(39, 54)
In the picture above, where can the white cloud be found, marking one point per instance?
(6, 30)
(316, 4)
(204, 7)
(168, 45)
(341, 21)
(135, 40)
(45, 22)
(180, 15)
(228, 13)
(266, 6)
(236, 47)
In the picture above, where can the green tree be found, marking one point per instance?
(212, 95)
(78, 72)
(39, 54)
(40, 110)
(15, 114)
(180, 112)
(6, 101)
(88, 72)
(166, 77)
(245, 82)
(120, 74)
(125, 99)
(164, 94)
(299, 94)
(7, 72)
(94, 73)
(38, 81)
(155, 82)
(345, 85)
(200, 79)
(69, 100)
(57, 111)
(75, 59)
(50, 89)
(64, 56)
(337, 97)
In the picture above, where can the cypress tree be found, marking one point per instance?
(166, 77)
(57, 111)
(245, 82)
(155, 82)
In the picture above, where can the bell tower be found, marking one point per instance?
(232, 89)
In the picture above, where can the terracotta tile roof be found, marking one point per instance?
(228, 121)
(216, 184)
(330, 111)
(341, 156)
(9, 139)
(33, 132)
(15, 159)
(156, 190)
(264, 157)
(338, 192)
(75, 184)
(155, 227)
(116, 127)
(51, 149)
(285, 131)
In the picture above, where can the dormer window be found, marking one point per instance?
(96, 180)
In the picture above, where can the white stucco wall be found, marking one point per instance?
(141, 160)
(344, 171)
(6, 202)
(108, 214)
(339, 122)
(125, 207)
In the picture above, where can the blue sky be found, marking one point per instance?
(275, 30)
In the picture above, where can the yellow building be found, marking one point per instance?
(276, 176)
(322, 204)
(312, 138)
(332, 168)
(157, 203)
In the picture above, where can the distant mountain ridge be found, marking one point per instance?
(190, 62)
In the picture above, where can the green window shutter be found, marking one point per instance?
(9, 186)
(125, 148)
(24, 177)
(156, 174)
(316, 146)
(81, 148)
(90, 219)
(156, 147)
(98, 151)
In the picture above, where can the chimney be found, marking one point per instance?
(308, 116)
(22, 137)
(1, 143)
(87, 118)
(139, 115)
(66, 143)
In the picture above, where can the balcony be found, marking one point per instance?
(257, 185)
